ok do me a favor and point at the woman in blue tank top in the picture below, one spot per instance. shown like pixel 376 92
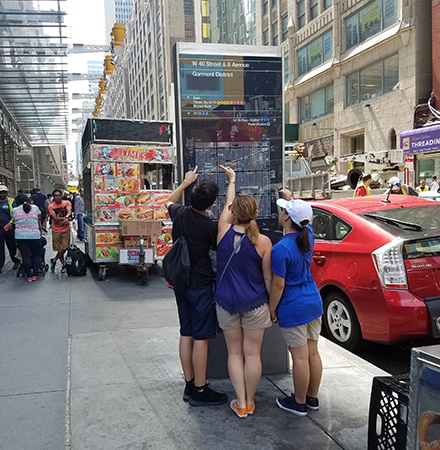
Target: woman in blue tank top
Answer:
pixel 243 281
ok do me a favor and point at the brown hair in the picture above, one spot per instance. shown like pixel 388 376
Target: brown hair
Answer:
pixel 244 207
pixel 366 178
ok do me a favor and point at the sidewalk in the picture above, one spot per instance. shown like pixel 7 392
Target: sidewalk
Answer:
pixel 88 364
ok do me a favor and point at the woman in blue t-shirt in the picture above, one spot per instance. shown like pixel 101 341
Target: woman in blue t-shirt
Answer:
pixel 296 304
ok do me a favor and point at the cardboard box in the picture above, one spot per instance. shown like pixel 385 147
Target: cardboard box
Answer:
pixel 131 256
pixel 141 227
pixel 133 242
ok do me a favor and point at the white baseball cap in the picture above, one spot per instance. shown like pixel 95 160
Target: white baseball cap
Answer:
pixel 3 188
pixel 298 210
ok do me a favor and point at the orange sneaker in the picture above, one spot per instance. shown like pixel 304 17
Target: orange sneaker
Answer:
pixel 241 412
pixel 250 409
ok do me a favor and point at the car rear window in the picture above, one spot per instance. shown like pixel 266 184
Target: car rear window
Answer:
pixel 421 248
pixel 426 217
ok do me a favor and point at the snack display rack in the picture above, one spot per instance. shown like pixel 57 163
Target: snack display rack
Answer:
pixel 127 181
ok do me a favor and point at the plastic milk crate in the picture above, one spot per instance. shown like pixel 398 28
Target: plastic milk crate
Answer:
pixel 388 419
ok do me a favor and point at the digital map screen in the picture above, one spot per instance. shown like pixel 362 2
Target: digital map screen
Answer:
pixel 231 113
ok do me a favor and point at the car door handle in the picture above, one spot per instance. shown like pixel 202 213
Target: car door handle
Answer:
pixel 319 260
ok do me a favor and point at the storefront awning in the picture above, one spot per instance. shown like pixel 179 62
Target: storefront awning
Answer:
pixel 421 140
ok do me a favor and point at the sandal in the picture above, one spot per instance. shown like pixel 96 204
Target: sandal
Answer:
pixel 241 412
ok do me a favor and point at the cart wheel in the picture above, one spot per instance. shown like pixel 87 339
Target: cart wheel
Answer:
pixel 102 272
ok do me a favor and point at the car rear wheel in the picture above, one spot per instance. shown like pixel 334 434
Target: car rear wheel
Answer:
pixel 340 321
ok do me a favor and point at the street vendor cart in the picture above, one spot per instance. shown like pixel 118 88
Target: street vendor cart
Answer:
pixel 128 174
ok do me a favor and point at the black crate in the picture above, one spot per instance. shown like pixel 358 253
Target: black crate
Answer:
pixel 388 419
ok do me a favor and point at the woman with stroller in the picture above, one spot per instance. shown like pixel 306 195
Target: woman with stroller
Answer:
pixel 26 218
pixel 296 304
pixel 243 282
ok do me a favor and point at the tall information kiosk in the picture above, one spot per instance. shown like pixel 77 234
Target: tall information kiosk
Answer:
pixel 229 109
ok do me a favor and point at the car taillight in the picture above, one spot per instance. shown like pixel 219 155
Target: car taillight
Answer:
pixel 390 265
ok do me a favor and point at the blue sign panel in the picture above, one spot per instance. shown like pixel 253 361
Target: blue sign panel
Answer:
pixel 421 140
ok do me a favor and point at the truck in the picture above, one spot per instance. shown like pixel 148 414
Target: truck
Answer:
pixel 305 184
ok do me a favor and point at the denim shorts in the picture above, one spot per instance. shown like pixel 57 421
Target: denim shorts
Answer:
pixel 197 312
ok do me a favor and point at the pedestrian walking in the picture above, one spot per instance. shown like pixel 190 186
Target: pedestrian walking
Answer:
pixel 296 304
pixel 26 219
pixel 79 213
pixel 363 189
pixel 39 199
pixel 60 212
pixel 195 305
pixel 434 184
pixel 7 236
pixel 243 281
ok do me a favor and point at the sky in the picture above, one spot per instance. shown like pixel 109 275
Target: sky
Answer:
pixel 86 25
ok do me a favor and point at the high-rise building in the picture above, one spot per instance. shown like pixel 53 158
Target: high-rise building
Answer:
pixel 354 69
pixel 232 21
pixel 117 11
pixel 141 86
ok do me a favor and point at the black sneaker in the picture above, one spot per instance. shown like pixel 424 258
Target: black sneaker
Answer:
pixel 52 265
pixel 289 404
pixel 205 396
pixel 189 386
pixel 16 266
pixel 312 403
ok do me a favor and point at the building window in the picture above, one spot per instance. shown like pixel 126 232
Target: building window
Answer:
pixel 266 37
pixel 393 139
pixel 286 70
pixel 316 53
pixel 301 6
pixel 265 6
pixel 284 27
pixel 159 42
pixel 275 33
pixel 327 3
pixel 369 21
pixel 273 3
pixel 373 80
pixel 161 84
pixel 314 11
pixel 188 7
pixel 160 63
pixel 317 104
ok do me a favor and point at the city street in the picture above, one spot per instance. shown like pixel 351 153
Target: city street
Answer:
pixel 88 364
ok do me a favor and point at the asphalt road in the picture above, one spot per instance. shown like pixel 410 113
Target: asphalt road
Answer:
pixel 394 358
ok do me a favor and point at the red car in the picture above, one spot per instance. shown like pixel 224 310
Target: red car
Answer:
pixel 377 266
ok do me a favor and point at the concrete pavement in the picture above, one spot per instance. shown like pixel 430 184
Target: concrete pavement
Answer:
pixel 88 364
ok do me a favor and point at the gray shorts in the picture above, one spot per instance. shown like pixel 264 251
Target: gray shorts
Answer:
pixel 257 319
pixel 298 336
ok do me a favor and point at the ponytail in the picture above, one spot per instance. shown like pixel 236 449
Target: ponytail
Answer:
pixel 245 209
pixel 252 232
pixel 23 199
pixel 303 240
pixel 26 207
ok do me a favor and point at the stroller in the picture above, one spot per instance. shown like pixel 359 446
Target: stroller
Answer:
pixel 43 266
